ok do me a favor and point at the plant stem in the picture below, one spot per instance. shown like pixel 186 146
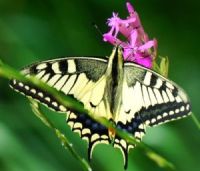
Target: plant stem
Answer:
pixel 196 121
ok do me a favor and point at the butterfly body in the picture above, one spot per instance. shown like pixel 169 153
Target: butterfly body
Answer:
pixel 130 96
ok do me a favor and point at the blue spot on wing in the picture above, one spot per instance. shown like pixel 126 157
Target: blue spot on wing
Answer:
pixel 93 126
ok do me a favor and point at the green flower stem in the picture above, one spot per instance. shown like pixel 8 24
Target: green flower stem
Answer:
pixel 74 105
pixel 64 141
pixel 196 121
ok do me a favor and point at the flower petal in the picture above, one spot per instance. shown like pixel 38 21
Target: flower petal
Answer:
pixel 112 40
pixel 130 8
pixel 109 38
pixel 134 36
pixel 146 62
pixel 137 47
pixel 128 54
pixel 147 45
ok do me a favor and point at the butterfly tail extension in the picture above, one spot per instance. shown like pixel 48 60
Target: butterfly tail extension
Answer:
pixel 123 146
pixel 88 129
pixel 135 127
pixel 92 144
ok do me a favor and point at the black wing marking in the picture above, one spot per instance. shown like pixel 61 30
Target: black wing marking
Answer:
pixel 158 100
pixel 148 99
pixel 89 130
pixel 134 127
pixel 69 75
pixel 83 78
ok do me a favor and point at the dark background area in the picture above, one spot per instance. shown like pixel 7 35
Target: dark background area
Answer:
pixel 39 30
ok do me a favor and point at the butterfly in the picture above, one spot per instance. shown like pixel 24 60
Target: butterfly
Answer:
pixel 127 94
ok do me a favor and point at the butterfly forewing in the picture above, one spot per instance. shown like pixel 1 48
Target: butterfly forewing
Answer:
pixel 154 98
pixel 72 76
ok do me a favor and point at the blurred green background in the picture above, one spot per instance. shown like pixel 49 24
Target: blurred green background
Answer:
pixel 46 29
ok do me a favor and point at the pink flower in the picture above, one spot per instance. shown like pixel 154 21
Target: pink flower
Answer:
pixel 137 47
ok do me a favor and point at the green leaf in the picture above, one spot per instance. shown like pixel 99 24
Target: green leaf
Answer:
pixel 160 161
pixel 36 110
pixel 163 66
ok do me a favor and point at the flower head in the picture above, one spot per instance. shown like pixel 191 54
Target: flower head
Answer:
pixel 137 47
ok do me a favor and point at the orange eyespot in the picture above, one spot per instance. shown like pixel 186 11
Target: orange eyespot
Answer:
pixel 111 133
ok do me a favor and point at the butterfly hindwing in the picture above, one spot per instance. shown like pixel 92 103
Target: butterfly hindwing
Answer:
pixel 89 130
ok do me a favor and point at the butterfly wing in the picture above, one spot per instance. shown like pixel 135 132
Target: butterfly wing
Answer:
pixel 161 100
pixel 148 99
pixel 81 77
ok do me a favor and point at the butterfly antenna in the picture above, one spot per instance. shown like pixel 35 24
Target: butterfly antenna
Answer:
pixel 97 28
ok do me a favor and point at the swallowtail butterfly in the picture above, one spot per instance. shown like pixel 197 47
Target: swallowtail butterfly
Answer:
pixel 131 96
